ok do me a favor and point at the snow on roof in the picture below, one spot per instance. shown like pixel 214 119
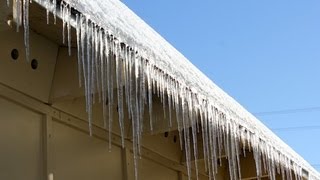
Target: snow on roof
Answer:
pixel 102 28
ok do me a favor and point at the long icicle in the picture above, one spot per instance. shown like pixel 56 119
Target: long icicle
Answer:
pixel 89 74
pixel 93 63
pixel 62 9
pixel 103 77
pixel 26 28
pixel 150 96
pixel 79 54
pixel 69 28
pixel 120 91
pixel 54 2
pixel 18 17
pixel 110 65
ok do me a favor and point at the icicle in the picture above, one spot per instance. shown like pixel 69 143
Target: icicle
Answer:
pixel 93 63
pixel 207 124
pixel 125 73
pixel 158 84
pixel 130 83
pixel 104 79
pixel 290 168
pixel 142 90
pixel 96 49
pixel 136 101
pixel 257 156
pixel 154 77
pixel 278 164
pixel 86 36
pixel 89 74
pixel 185 123
pixel 164 103
pixel 196 106
pixel 136 132
pixel 243 138
pixel 48 13
pixel 272 164
pixel 282 168
pixel 62 9
pixel 83 36
pixel 211 157
pixel 54 2
pixel 169 97
pixel 69 28
pixel 230 151
pixel 265 162
pixel 178 108
pixel 150 96
pixel 18 17
pixel 110 65
pixel 99 60
pixel 249 140
pixel 26 27
pixel 212 115
pixel 204 138
pixel 127 79
pixel 237 149
pixel 78 33
pixel 120 92
pixel 103 56
pixel 135 152
pixel 193 122
pixel 220 135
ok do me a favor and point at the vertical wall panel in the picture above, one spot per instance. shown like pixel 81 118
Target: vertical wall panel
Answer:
pixel 20 142
pixel 78 156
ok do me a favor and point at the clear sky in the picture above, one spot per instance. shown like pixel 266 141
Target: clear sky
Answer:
pixel 264 53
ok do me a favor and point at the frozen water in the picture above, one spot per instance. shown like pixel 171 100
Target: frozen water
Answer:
pixel 114 44
pixel 26 27
pixel 68 14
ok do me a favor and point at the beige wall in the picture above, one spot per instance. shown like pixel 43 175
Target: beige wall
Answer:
pixel 73 153
pixel 79 156
pixel 20 142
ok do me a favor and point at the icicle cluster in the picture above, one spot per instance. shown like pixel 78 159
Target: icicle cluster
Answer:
pixel 106 63
pixel 103 60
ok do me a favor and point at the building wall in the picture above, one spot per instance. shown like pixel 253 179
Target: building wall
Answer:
pixel 20 142
pixel 70 153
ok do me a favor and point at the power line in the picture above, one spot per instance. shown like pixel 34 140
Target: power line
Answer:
pixel 291 111
pixel 297 128
pixel 287 111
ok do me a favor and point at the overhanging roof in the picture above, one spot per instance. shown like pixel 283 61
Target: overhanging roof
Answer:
pixel 168 71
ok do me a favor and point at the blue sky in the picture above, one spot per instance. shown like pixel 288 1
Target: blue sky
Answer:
pixel 264 53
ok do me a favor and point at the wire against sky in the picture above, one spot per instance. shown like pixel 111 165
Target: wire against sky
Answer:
pixel 315 127
pixel 287 111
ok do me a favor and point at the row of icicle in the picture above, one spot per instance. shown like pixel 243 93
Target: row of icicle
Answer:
pixel 105 62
